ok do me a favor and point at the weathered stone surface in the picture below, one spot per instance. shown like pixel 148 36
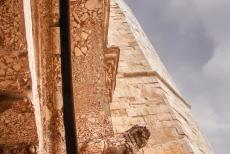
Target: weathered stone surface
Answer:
pixel 129 142
pixel 17 121
pixel 14 73
pixel 128 75
pixel 12 29
pixel 91 95
pixel 18 130
pixel 146 94
pixel 46 33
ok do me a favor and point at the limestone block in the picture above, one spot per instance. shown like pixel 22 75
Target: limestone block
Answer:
pixel 153 149
pixel 175 148
pixel 119 105
pixel 118 113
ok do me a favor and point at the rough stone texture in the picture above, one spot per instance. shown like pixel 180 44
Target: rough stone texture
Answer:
pixel 91 94
pixel 46 36
pixel 146 94
pixel 129 142
pixel 17 123
pixel 14 73
pixel 140 90
pixel 18 129
pixel 12 29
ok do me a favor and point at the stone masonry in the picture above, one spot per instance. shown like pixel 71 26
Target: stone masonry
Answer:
pixel 145 92
pixel 124 99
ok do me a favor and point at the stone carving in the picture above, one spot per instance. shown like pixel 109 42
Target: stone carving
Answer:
pixel 128 142
pixel 111 62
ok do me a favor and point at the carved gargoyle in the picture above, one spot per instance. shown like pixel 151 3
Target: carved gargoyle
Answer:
pixel 129 142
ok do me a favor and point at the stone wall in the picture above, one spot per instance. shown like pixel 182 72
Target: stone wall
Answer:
pixel 91 94
pixel 46 40
pixel 12 29
pixel 139 88
pixel 145 93
pixel 18 130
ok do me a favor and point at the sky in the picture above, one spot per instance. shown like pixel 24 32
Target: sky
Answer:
pixel 192 37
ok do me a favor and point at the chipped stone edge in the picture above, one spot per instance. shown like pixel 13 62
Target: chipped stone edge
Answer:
pixel 32 67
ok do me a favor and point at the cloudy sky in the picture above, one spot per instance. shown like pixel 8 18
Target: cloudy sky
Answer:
pixel 192 38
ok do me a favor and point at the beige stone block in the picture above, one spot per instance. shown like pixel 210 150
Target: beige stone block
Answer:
pixel 151 149
pixel 151 120
pixel 164 117
pixel 120 121
pixel 141 110
pixel 137 120
pixel 165 124
pixel 119 105
pixel 175 148
pixel 120 129
pixel 165 109
pixel 152 109
pixel 164 135
pixel 118 113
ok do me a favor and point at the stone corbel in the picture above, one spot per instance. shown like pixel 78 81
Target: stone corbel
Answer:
pixel 111 62
pixel 129 142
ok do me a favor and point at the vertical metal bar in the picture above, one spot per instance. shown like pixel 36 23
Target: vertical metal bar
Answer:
pixel 68 107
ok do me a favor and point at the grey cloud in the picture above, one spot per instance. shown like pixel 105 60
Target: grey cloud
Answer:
pixel 192 39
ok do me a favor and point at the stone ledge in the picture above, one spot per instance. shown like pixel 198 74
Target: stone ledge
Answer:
pixel 157 75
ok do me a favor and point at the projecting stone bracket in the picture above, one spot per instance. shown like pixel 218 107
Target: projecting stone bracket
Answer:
pixel 129 142
pixel 111 62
